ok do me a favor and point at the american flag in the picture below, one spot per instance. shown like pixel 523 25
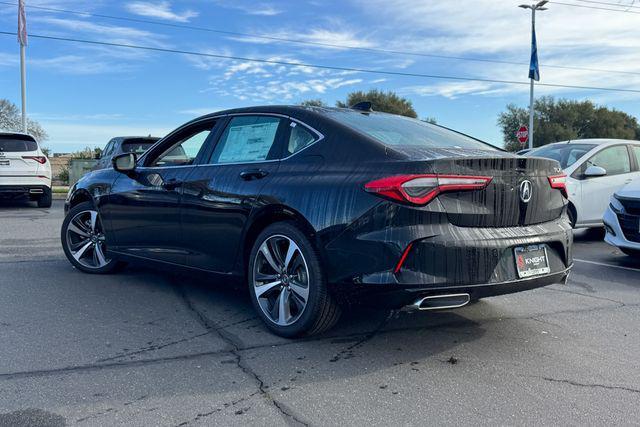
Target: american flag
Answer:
pixel 22 24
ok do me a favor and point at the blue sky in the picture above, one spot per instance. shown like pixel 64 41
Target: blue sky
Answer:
pixel 83 95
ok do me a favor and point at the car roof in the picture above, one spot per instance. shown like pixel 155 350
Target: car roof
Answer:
pixel 595 141
pixel 124 138
pixel 16 134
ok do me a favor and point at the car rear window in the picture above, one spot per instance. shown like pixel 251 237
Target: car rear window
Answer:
pixel 137 146
pixel 565 154
pixel 398 131
pixel 14 144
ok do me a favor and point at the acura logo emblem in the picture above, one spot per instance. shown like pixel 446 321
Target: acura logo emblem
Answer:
pixel 526 191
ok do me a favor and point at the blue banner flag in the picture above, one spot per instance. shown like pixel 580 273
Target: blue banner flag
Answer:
pixel 534 68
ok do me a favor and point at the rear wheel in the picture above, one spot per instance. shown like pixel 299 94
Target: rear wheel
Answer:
pixel 287 283
pixel 45 200
pixel 83 240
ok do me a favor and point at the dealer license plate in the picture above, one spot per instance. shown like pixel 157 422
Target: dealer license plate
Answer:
pixel 532 261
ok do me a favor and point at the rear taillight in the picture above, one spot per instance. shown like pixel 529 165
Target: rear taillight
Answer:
pixel 40 159
pixel 559 182
pixel 421 189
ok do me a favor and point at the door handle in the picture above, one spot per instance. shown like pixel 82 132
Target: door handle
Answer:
pixel 171 184
pixel 252 174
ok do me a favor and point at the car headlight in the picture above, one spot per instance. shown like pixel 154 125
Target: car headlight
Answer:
pixel 615 204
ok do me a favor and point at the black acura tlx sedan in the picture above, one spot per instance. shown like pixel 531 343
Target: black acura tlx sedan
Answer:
pixel 315 206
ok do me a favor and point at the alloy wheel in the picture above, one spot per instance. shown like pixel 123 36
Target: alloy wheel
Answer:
pixel 281 280
pixel 86 241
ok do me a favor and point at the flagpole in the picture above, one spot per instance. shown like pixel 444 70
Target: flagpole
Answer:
pixel 22 39
pixel 23 78
pixel 533 26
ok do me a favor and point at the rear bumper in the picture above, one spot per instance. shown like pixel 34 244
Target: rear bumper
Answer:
pixel 34 190
pixel 397 298
pixel 439 257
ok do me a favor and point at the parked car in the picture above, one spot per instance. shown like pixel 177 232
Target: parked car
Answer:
pixel 622 219
pixel 24 169
pixel 123 144
pixel 595 168
pixel 311 204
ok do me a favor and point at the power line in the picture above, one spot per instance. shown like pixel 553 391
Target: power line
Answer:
pixel 312 43
pixel 620 5
pixel 319 66
pixel 594 7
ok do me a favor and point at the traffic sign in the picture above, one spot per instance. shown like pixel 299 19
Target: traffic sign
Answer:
pixel 522 135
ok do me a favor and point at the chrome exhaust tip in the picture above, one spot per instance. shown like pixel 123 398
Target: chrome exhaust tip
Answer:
pixel 440 302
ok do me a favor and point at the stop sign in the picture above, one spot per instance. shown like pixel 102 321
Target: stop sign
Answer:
pixel 522 134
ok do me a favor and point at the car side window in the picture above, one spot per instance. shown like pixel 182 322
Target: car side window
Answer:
pixel 299 138
pixel 247 139
pixel 635 149
pixel 615 160
pixel 185 150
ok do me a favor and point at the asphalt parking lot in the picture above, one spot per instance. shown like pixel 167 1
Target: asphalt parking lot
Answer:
pixel 148 347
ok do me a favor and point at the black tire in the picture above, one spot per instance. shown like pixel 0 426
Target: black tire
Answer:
pixel 111 265
pixel 321 311
pixel 631 252
pixel 45 200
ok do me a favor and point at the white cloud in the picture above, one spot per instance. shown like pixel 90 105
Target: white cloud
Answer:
pixel 450 90
pixel 325 38
pixel 251 7
pixel 161 10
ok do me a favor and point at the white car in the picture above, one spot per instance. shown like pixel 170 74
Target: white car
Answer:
pixel 24 169
pixel 595 168
pixel 622 219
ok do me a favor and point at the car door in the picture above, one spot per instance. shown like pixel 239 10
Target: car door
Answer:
pixel 219 196
pixel 596 191
pixel 143 210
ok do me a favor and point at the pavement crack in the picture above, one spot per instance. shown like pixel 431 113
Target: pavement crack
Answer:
pixel 152 348
pixel 235 348
pixel 347 353
pixel 622 304
pixel 590 385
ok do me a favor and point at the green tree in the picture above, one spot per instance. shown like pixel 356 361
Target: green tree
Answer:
pixel 10 120
pixel 387 102
pixel 561 120
pixel 313 103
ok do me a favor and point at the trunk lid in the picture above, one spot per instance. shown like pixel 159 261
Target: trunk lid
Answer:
pixel 13 151
pixel 501 203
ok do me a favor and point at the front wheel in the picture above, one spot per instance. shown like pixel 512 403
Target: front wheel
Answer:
pixel 83 240
pixel 287 283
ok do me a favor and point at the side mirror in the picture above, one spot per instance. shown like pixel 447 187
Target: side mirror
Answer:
pixel 125 163
pixel 595 171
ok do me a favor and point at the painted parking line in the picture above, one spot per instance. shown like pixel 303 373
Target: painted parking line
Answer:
pixel 604 264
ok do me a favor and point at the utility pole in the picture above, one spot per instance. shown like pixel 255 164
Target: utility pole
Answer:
pixel 534 72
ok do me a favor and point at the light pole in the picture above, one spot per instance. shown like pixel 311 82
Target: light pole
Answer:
pixel 534 72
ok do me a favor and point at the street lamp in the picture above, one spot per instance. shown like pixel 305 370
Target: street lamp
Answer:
pixel 534 73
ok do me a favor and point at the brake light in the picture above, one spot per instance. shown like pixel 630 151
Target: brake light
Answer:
pixel 421 189
pixel 40 159
pixel 559 182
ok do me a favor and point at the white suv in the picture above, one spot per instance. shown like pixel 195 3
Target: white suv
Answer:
pixel 595 168
pixel 24 169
